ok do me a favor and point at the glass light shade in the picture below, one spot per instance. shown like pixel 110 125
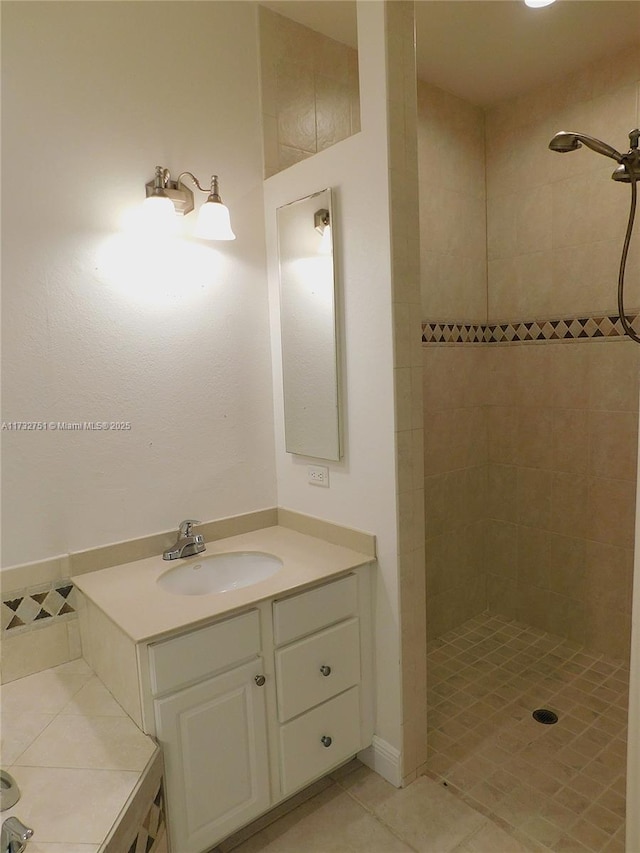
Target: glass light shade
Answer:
pixel 213 222
pixel 159 216
pixel 538 4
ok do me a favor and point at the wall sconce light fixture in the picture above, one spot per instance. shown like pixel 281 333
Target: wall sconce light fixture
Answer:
pixel 322 224
pixel 166 197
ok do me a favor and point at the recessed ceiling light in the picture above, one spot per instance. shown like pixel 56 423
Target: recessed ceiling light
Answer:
pixel 538 4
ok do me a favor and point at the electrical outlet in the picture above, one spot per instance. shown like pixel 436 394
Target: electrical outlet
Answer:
pixel 318 475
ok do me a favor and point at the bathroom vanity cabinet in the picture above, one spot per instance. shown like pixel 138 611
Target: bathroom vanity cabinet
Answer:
pixel 214 731
pixel 254 707
pixel 255 704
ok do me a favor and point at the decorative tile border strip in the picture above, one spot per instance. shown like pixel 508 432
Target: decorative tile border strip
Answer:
pixel 582 328
pixel 152 826
pixel 38 606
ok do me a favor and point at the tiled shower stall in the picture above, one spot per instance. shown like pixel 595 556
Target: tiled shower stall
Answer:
pixel 531 433
pixel 531 426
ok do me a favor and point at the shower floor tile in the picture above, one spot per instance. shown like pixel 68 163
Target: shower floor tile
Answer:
pixel 556 787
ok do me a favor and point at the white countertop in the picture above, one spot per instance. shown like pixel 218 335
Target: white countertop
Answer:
pixel 130 596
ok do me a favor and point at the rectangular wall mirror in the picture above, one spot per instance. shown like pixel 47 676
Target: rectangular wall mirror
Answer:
pixel 308 326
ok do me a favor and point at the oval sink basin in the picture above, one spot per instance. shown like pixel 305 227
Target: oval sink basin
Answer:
pixel 219 573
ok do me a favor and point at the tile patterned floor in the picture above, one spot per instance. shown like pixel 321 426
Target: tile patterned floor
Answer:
pixel 498 782
pixel 356 811
pixel 554 787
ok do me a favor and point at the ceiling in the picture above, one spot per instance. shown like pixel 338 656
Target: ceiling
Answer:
pixel 488 50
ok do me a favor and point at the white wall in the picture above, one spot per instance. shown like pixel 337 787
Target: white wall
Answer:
pixel 173 338
pixel 362 492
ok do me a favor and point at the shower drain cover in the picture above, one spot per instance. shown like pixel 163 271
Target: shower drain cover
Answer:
pixel 543 715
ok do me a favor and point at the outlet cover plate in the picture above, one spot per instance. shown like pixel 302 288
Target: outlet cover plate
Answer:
pixel 318 475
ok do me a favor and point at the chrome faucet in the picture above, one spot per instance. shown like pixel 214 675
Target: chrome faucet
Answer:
pixel 187 545
pixel 14 836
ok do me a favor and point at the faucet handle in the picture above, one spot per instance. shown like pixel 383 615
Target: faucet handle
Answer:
pixel 15 835
pixel 186 525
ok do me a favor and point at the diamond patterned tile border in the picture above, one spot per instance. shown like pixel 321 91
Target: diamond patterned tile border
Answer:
pixel 40 605
pixel 578 328
pixel 152 825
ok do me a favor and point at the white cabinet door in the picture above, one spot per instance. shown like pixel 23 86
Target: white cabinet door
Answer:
pixel 215 750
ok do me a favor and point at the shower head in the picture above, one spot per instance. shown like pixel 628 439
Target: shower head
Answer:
pixel 565 141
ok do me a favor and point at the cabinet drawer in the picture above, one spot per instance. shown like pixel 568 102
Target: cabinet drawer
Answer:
pixel 303 754
pixel 193 656
pixel 315 669
pixel 308 612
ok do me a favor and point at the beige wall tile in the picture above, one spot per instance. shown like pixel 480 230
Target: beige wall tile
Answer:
pixel 502 233
pixel 454 377
pixel 501 548
pixel 553 510
pixel 608 578
pixel 296 108
pixel 333 111
pixel 534 497
pixel 74 639
pixel 405 457
pixel 448 503
pixel 502 425
pixel 533 557
pixel 113 658
pixel 455 438
pixel 533 223
pixel 34 651
pixel 452 206
pixel 502 492
pixel 271 147
pixel 288 156
pixel 309 89
pixel 613 445
pixel 608 630
pixel 611 511
pixel 569 505
pixel 502 595
pixel 543 208
pixel 570 440
pixel 534 366
pixel 613 376
pixel 567 558
pixel 501 376
pixel 533 606
pixel 32 574
pixel 534 437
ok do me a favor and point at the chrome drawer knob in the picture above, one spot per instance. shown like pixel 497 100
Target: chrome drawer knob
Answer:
pixel 326 740
pixel 325 670
pixel 260 680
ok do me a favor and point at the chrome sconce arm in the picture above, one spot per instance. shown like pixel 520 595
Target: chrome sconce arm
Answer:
pixel 213 217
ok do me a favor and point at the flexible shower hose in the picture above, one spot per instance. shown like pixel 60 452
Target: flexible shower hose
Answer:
pixel 623 263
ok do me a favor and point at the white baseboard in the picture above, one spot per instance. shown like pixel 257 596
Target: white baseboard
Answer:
pixel 383 759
